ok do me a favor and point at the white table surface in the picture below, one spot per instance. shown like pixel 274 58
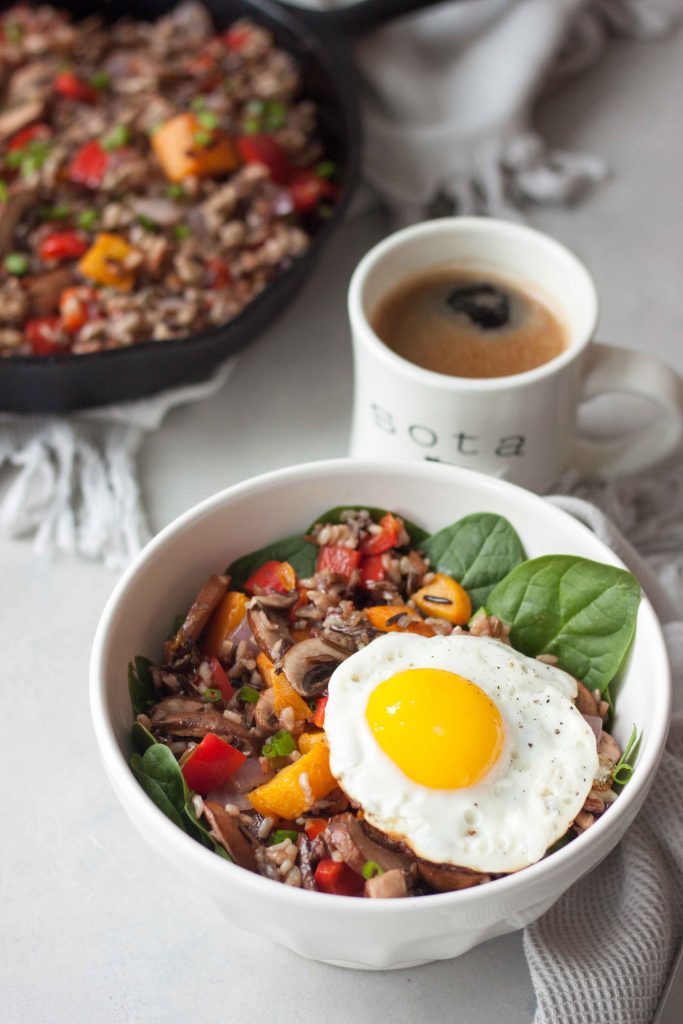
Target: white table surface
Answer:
pixel 94 926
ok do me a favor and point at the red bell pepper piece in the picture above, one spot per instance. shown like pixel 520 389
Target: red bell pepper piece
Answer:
pixel 211 764
pixel 318 717
pixel 45 336
pixel 219 679
pixel 371 570
pixel 78 305
pixel 271 576
pixel 307 190
pixel 263 149
pixel 62 245
pixel 314 826
pixel 88 165
pixel 235 38
pixel 68 84
pixel 334 558
pixel 33 133
pixel 220 272
pixel 376 543
pixel 337 878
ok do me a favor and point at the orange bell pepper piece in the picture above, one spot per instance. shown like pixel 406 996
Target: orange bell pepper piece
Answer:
pixel 308 740
pixel 445 598
pixel 224 621
pixel 381 615
pixel 104 262
pixel 185 149
pixel 285 696
pixel 296 788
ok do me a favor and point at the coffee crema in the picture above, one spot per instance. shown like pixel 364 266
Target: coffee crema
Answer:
pixel 468 323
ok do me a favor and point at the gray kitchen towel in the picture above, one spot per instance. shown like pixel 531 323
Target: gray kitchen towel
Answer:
pixel 602 953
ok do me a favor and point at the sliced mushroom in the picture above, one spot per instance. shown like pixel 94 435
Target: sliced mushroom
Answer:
pixel 309 664
pixel 279 602
pixel 345 834
pixel 608 748
pixel 449 878
pixel 186 717
pixel 264 716
pixel 204 605
pixel 390 885
pixel 271 634
pixel 229 832
pixel 586 702
pixel 44 290
pixel 17 117
pixel 306 862
pixel 32 80
pixel 11 212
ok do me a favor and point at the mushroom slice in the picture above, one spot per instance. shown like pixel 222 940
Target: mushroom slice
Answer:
pixel 309 664
pixel 448 877
pixel 390 885
pixel 271 635
pixel 13 119
pixel 11 212
pixel 230 833
pixel 279 602
pixel 264 715
pixel 204 605
pixel 345 835
pixel 185 717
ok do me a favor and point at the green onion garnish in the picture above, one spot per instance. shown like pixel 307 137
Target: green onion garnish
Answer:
pixel 198 103
pixel 212 695
pixel 87 219
pixel 59 212
pixel 118 136
pixel 207 119
pixel 251 126
pixel 203 138
pixel 16 263
pixel 4 190
pixel 181 231
pixel 280 834
pixel 279 745
pixel 14 33
pixel 624 769
pixel 325 169
pixel 176 191
pixel 275 114
pixel 249 694
pixel 29 158
pixel 146 222
pixel 371 868
pixel 100 80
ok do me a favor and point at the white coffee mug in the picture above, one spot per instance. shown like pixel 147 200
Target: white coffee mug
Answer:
pixel 524 426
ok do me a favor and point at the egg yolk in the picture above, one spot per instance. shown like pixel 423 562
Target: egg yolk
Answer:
pixel 440 729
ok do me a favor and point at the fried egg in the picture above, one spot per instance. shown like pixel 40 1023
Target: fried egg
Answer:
pixel 460 747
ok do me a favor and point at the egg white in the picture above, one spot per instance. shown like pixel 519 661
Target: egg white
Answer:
pixel 525 803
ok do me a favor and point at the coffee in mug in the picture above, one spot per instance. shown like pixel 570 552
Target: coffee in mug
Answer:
pixel 469 323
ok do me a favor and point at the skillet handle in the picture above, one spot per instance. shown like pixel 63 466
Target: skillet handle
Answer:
pixel 356 17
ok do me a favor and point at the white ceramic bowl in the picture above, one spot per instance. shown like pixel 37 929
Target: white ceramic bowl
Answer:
pixel 336 929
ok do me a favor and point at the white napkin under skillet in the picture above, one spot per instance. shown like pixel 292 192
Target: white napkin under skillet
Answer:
pixel 447 103
pixel 602 954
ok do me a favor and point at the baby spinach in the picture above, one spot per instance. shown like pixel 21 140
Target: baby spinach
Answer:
pixel 140 685
pixel 299 552
pixel 160 776
pixel 416 533
pixel 478 551
pixel 584 612
pixel 142 738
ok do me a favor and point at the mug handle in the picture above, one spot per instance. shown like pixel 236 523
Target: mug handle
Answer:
pixel 609 368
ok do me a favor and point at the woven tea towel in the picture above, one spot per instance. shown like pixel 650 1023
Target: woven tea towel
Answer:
pixel 602 953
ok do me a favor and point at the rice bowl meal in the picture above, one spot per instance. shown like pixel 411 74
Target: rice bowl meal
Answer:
pixel 154 176
pixel 367 710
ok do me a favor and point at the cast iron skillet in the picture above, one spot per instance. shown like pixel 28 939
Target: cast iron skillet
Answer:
pixel 317 40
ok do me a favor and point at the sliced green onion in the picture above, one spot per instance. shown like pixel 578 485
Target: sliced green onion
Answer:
pixel 371 868
pixel 275 114
pixel 198 103
pixel 146 222
pixel 59 212
pixel 4 190
pixel 16 263
pixel 207 119
pixel 325 169
pixel 176 191
pixel 119 136
pixel 14 33
pixel 251 126
pixel 87 219
pixel 280 744
pixel 249 694
pixel 181 231
pixel 624 769
pixel 280 834
pixel 100 80
pixel 203 138
pixel 212 695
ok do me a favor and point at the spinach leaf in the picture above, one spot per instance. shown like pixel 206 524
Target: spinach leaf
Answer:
pixel 478 551
pixel 195 828
pixel 298 551
pixel 142 738
pixel 160 776
pixel 140 685
pixel 416 533
pixel 584 612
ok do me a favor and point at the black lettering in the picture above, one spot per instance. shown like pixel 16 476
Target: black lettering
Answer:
pixel 423 436
pixel 512 444
pixel 383 419
pixel 462 438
